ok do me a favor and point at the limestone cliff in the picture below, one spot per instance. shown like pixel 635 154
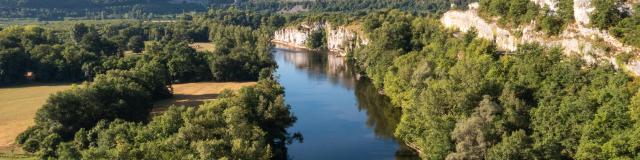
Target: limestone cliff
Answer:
pixel 592 44
pixel 340 39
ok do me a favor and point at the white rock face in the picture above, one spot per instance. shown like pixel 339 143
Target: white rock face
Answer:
pixel 465 20
pixel 582 10
pixel 576 39
pixel 296 36
pixel 340 39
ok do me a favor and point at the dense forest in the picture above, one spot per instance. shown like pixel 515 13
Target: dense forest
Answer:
pixel 81 51
pixel 93 9
pixel 461 97
pixel 464 99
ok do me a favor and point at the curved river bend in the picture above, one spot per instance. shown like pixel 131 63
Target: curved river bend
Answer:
pixel 339 115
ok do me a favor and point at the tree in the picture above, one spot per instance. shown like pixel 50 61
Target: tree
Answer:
pixel 136 44
pixel 517 145
pixel 12 65
pixel 317 39
pixel 606 13
pixel 476 134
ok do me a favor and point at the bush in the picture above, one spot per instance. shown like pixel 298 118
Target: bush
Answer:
pixel 606 13
pixel 317 39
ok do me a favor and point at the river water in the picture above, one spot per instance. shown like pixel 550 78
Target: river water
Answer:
pixel 340 116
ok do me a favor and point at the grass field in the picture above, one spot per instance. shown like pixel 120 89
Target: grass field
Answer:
pixel 193 94
pixel 18 106
pixel 203 47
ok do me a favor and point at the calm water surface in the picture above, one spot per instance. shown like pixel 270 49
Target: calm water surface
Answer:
pixel 339 115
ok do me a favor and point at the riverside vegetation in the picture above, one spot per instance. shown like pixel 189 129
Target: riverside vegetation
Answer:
pixel 464 99
pixel 461 97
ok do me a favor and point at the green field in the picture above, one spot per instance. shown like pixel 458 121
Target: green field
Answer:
pixel 18 105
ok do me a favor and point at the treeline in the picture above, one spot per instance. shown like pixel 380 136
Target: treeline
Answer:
pixel 81 51
pixel 145 9
pixel 107 117
pixel 48 10
pixel 431 6
pixel 463 99
pixel 75 54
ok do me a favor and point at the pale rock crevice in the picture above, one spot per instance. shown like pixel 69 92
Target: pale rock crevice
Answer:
pixel 582 10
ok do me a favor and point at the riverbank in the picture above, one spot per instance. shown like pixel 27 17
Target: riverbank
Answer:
pixel 293 47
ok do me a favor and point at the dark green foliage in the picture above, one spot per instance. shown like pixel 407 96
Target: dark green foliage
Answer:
pixel 512 11
pixel 118 94
pixel 628 29
pixel 546 105
pixel 78 31
pixel 514 146
pixel 614 16
pixel 182 62
pixel 143 9
pixel 317 39
pixel 552 24
pixel 92 9
pixel 476 134
pixel 432 6
pixel 565 10
pixel 107 117
pixel 606 13
pixel 249 124
pixel 136 44
pixel 519 12
pixel 50 58
pixel 240 64
pixel 240 52
pixel 82 51
pixel 11 65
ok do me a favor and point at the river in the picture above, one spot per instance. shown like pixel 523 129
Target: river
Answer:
pixel 340 116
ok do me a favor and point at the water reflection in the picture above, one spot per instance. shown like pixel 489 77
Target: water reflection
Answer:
pixel 320 65
pixel 340 116
pixel 382 116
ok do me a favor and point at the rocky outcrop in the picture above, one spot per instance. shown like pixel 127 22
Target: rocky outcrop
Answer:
pixel 296 36
pixel 465 20
pixel 593 45
pixel 340 39
pixel 582 10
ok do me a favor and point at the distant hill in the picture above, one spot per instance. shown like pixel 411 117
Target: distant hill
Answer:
pixel 140 9
pixel 94 9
